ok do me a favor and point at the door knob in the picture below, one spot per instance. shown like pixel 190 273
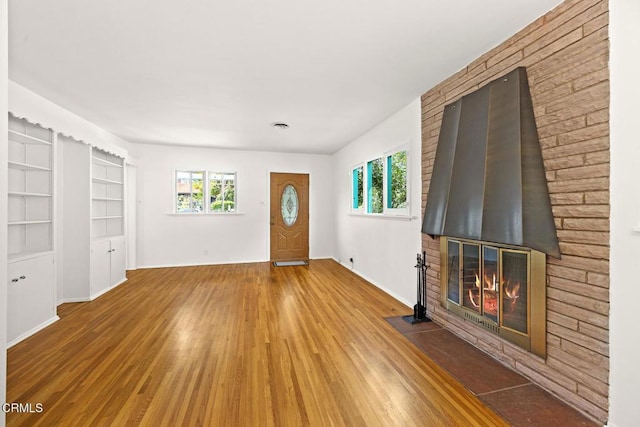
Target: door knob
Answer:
pixel 273 220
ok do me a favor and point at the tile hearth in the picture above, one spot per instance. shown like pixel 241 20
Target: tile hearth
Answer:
pixel 514 397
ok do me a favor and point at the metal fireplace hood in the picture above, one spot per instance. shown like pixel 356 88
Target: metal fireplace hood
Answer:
pixel 488 181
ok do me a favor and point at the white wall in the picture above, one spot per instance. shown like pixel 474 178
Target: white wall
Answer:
pixel 172 240
pixel 4 35
pixel 131 217
pixel 383 250
pixel 625 213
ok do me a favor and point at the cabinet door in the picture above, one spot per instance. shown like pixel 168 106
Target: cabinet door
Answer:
pixel 100 266
pixel 31 299
pixel 14 302
pixel 118 260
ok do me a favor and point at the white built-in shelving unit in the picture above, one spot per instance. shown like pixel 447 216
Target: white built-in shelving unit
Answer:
pixel 66 224
pixel 30 183
pixel 31 292
pixel 94 250
pixel 107 194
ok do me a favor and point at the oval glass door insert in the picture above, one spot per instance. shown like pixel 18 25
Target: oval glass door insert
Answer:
pixel 289 205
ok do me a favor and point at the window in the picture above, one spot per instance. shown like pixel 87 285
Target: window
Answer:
pixel 189 191
pixel 384 182
pixel 375 187
pixel 396 179
pixel 357 176
pixel 191 186
pixel 222 192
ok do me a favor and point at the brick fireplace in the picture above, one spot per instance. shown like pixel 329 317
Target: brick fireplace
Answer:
pixel 566 57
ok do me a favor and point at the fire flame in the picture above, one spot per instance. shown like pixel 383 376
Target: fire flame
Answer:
pixel 490 284
pixel 511 290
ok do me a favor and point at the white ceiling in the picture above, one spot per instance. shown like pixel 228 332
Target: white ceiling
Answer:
pixel 218 73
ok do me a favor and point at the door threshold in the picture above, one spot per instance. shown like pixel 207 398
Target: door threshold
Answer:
pixel 289 263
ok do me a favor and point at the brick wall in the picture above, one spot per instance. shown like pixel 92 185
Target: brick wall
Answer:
pixel 566 55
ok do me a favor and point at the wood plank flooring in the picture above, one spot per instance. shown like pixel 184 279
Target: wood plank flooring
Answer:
pixel 235 345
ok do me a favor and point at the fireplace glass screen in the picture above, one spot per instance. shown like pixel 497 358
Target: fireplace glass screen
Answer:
pixel 514 290
pixel 499 288
pixel 491 282
pixel 470 270
pixel 453 269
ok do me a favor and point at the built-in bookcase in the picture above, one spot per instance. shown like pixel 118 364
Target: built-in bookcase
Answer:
pixel 94 252
pixel 31 289
pixel 30 186
pixel 107 195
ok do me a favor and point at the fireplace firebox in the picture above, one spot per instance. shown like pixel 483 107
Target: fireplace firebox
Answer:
pixel 501 288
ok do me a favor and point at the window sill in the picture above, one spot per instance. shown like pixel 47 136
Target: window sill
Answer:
pixel 384 216
pixel 205 213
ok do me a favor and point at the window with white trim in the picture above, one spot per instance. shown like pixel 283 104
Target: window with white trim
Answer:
pixel 192 186
pixel 381 186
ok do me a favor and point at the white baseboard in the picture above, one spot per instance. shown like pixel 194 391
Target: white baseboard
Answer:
pixel 32 331
pixel 377 285
pixel 142 267
pixel 104 291
pixel 79 299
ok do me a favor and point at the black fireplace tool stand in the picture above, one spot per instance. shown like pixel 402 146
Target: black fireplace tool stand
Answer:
pixel 420 309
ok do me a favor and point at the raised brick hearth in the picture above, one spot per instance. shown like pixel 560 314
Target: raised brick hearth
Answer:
pixel 566 55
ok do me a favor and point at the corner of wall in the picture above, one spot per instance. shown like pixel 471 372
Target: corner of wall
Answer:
pixel 4 40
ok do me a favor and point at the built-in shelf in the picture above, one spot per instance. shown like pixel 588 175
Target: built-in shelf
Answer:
pixel 30 188
pixel 106 181
pixel 23 194
pixel 29 222
pixel 26 139
pixel 31 194
pixel 107 199
pixel 105 162
pixel 27 167
pixel 107 194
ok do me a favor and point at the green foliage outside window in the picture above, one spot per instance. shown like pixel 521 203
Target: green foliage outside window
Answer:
pixel 386 184
pixel 375 171
pixel 358 187
pixel 397 180
pixel 190 194
pixel 191 188
pixel 221 192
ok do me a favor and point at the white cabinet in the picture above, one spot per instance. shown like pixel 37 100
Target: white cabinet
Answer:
pixel 107 264
pixel 31 296
pixel 94 250
pixel 31 289
pixel 118 266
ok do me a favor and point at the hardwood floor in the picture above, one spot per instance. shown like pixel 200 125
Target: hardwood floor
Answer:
pixel 235 345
